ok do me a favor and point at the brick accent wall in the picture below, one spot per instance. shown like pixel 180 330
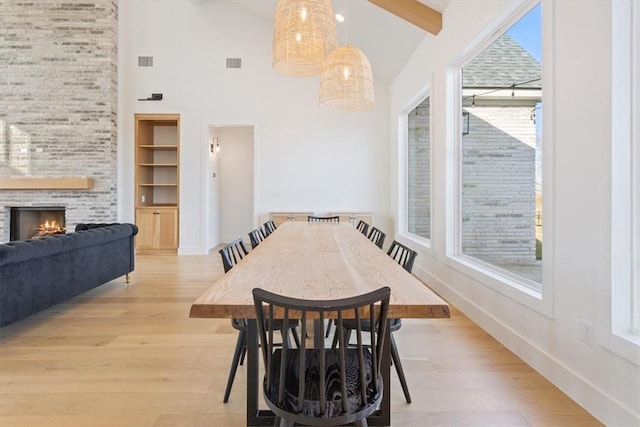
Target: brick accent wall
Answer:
pixel 59 104
pixel 419 177
pixel 498 184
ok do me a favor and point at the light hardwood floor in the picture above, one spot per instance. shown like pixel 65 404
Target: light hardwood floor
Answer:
pixel 129 355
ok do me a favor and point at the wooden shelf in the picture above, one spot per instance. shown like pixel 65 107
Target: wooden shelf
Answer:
pixel 159 147
pixel 46 183
pixel 159 165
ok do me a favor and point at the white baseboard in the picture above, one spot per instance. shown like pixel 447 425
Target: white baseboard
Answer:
pixel 589 396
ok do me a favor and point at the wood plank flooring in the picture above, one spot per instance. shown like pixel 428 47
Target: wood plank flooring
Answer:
pixel 129 355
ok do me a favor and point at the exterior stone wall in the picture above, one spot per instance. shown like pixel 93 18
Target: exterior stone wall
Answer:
pixel 418 166
pixel 59 104
pixel 498 184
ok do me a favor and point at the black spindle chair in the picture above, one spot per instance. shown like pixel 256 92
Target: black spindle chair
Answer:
pixel 256 237
pixel 269 227
pixel 363 227
pixel 318 386
pixel 405 257
pixel 232 254
pixel 312 218
pixel 377 237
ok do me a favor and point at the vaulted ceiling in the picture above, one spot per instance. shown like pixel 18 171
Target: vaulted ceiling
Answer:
pixel 387 39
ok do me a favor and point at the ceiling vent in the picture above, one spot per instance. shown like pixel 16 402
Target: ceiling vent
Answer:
pixel 145 61
pixel 234 62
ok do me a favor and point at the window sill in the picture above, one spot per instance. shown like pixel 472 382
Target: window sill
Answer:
pixel 518 288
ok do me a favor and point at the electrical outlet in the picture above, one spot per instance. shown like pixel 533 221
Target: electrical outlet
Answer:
pixel 143 198
pixel 586 332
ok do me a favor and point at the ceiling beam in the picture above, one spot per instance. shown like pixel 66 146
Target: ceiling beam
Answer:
pixel 415 12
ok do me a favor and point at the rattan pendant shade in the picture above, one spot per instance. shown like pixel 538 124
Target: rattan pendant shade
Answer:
pixel 304 35
pixel 347 81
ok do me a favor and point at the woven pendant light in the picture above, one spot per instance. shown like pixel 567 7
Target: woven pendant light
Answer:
pixel 347 81
pixel 304 35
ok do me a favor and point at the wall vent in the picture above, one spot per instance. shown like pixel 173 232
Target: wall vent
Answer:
pixel 145 61
pixel 234 62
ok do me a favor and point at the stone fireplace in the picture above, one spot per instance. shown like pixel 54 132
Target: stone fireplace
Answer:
pixel 59 121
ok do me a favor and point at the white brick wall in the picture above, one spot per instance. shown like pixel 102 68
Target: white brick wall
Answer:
pixel 498 184
pixel 59 104
pixel 419 179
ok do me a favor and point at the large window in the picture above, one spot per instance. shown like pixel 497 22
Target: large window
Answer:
pixel 418 151
pixel 623 312
pixel 500 154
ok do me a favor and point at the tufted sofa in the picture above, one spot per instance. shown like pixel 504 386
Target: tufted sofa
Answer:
pixel 39 273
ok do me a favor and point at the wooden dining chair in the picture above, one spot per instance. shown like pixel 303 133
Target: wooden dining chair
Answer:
pixel 404 256
pixel 362 227
pixel 269 227
pixel 312 218
pixel 256 237
pixel 377 237
pixel 232 254
pixel 318 386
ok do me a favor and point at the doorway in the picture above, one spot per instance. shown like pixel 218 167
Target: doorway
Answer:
pixel 232 166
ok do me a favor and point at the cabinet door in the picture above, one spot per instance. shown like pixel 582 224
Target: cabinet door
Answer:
pixel 146 222
pixel 300 216
pixel 344 217
pixel 167 228
pixel 279 217
pixel 366 217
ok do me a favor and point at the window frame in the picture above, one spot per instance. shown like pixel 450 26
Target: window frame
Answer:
pixel 403 166
pixel 516 287
pixel 619 316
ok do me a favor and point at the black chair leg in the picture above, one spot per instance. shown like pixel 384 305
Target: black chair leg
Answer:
pixel 243 355
pixel 395 356
pixel 241 344
pixel 296 338
pixel 361 423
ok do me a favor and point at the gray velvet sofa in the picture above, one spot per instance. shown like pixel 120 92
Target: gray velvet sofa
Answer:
pixel 39 273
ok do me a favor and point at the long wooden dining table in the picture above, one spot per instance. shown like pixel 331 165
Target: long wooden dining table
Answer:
pixel 314 261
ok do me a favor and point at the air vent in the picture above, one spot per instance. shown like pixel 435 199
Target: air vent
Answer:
pixel 145 61
pixel 234 62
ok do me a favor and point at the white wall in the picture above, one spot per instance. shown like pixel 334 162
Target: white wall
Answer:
pixel 309 159
pixel 577 142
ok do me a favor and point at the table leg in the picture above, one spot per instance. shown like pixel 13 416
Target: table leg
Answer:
pixel 252 372
pixel 385 407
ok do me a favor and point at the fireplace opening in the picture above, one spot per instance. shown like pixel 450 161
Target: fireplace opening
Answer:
pixel 34 222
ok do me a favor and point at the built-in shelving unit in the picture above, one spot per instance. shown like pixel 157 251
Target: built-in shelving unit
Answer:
pixel 157 187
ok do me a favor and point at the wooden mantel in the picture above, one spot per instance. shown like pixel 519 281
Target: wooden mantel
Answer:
pixel 46 183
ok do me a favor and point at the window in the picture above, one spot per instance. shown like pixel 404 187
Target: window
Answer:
pixel 622 315
pixel 418 153
pixel 500 155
